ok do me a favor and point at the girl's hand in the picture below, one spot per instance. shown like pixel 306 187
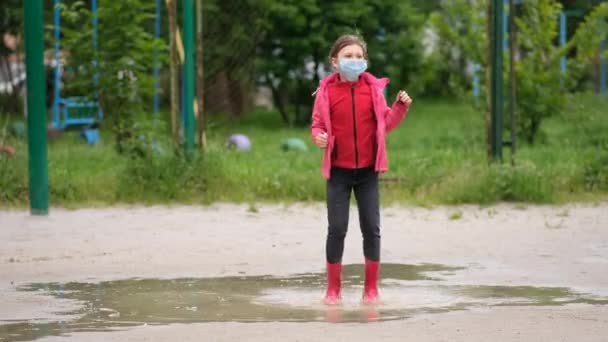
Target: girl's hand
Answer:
pixel 404 98
pixel 321 140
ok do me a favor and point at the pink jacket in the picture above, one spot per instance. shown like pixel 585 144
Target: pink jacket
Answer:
pixel 387 119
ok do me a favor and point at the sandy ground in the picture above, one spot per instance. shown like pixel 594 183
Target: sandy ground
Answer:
pixel 506 244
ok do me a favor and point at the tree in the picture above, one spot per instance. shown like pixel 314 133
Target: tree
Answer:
pixel 118 71
pixel 231 31
pixel 541 85
pixel 461 27
pixel 292 55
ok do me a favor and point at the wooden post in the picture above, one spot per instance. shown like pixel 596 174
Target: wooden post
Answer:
pixel 174 68
pixel 200 79
pixel 487 116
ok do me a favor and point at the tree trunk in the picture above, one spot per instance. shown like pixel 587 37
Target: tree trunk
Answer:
pixel 488 120
pixel 235 93
pixel 276 97
pixel 298 114
pixel 13 98
pixel 534 128
pixel 316 60
pixel 200 80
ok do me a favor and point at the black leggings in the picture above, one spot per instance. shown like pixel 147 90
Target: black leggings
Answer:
pixel 341 183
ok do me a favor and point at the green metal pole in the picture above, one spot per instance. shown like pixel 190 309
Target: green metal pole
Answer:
pixel 36 111
pixel 188 30
pixel 496 101
pixel 512 79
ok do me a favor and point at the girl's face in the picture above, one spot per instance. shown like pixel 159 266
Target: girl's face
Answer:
pixel 349 51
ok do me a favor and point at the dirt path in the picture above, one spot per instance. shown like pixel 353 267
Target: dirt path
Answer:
pixel 499 247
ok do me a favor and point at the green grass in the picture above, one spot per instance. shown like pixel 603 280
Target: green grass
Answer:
pixel 437 156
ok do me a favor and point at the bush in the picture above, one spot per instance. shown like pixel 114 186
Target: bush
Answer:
pixel 596 170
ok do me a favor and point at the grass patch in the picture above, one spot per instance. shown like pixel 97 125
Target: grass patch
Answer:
pixel 437 156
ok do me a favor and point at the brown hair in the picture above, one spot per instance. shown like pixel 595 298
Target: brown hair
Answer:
pixel 346 40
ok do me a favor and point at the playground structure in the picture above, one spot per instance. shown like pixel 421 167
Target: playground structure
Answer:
pixel 75 112
pixel 501 29
pixel 563 38
pixel 79 112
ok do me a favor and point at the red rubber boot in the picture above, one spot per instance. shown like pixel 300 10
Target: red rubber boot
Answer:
pixel 334 280
pixel 370 291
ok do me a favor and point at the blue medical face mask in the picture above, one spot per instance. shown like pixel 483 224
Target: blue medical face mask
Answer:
pixel 351 68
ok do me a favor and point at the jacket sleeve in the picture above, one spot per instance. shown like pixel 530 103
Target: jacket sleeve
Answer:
pixel 317 125
pixel 395 114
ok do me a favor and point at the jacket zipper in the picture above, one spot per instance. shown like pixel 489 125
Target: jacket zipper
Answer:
pixel 352 93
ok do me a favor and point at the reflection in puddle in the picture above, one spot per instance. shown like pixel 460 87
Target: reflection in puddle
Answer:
pixel 407 290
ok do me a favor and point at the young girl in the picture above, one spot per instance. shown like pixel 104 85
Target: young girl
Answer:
pixel 350 119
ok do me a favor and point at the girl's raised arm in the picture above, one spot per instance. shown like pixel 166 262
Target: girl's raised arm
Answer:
pixel 395 114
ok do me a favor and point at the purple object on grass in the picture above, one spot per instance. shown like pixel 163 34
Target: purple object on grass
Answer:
pixel 239 141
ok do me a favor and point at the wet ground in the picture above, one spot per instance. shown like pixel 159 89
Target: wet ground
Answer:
pixel 407 291
pixel 231 274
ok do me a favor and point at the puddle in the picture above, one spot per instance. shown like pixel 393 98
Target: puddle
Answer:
pixel 407 290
